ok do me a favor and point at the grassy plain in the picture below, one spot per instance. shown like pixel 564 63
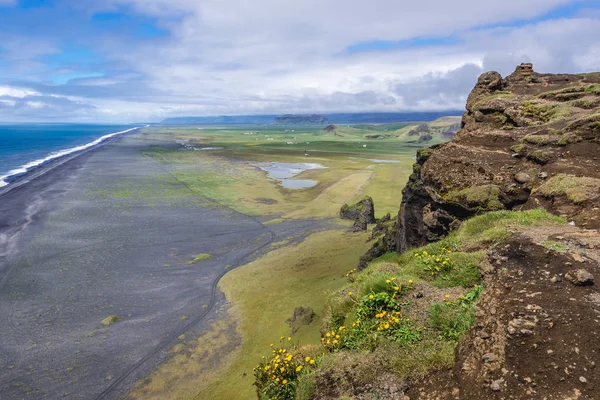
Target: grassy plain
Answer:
pixel 264 293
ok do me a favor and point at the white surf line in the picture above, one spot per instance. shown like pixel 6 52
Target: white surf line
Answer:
pixel 63 155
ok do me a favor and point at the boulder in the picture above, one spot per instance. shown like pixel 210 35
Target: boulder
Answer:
pixel 363 210
pixel 580 277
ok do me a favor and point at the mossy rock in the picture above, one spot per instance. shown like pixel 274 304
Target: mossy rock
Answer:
pixel 541 157
pixel 576 189
pixel 484 197
pixel 539 140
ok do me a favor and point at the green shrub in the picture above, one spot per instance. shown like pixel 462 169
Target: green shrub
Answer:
pixel 454 318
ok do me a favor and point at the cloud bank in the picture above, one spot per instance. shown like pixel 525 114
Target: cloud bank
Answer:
pixel 144 60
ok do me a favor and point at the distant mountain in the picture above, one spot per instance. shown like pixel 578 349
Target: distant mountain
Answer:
pixel 221 120
pixel 336 118
pixel 292 119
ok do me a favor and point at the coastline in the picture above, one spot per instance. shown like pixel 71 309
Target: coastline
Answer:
pixel 33 169
pixel 74 250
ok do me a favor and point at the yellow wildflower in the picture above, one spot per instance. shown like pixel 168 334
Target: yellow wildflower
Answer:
pixel 299 368
pixel 289 339
pixel 267 367
pixel 388 281
pixel 335 341
pixel 447 296
pixel 410 281
pixel 349 293
pixel 307 359
pixel 328 334
pixel 312 362
pixel 284 382
pixel 371 296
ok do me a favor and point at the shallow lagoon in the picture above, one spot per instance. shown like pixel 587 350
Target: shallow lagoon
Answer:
pixel 284 172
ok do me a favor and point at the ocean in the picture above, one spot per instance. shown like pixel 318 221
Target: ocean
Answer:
pixel 24 147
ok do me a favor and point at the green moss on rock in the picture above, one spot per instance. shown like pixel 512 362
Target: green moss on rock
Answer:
pixel 576 189
pixel 485 197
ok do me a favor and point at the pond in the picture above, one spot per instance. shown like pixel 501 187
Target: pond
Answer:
pixel 284 172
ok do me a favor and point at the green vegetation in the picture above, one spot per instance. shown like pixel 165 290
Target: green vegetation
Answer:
pixel 199 257
pixel 110 320
pixel 485 197
pixel 454 318
pixel 554 245
pixel 373 327
pixel 594 88
pixel 538 140
pixel 540 156
pixel 546 112
pixel 576 189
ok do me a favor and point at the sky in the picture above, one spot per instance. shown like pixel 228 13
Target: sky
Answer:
pixel 146 60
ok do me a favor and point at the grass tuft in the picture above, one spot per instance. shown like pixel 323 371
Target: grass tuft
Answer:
pixel 198 258
pixel 110 320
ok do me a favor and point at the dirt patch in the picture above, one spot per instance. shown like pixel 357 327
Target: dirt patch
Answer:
pixel 536 335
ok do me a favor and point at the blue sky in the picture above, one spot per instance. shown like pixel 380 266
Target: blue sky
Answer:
pixel 132 60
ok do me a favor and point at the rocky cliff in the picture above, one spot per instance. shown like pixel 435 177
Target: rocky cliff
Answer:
pixel 527 140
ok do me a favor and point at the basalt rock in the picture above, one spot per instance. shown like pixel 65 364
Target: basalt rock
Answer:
pixel 528 140
pixel 362 213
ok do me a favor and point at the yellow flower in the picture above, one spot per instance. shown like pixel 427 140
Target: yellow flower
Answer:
pixel 312 362
pixel 276 379
pixel 371 296
pixel 349 293
pixel 307 359
pixel 396 288
pixel 299 368
pixel 425 253
pixel 281 338
pixel 267 367
pixel 437 260
pixel 394 279
pixel 289 339
pixel 388 281
pixel 341 328
pixel 335 341
pixel 337 336
pixel 447 296
pixel 328 334
pixel 410 281
pixel 284 382
pixel 282 369
pixel 271 345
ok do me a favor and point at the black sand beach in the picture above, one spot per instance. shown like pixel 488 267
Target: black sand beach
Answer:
pixel 110 232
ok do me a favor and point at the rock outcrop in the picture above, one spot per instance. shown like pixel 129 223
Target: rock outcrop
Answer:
pixel 362 213
pixel 527 140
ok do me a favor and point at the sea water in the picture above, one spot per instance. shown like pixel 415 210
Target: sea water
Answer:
pixel 24 147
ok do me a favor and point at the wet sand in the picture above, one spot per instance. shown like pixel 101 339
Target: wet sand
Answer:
pixel 110 232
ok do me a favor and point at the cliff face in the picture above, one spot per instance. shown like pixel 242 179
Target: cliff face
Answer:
pixel 527 140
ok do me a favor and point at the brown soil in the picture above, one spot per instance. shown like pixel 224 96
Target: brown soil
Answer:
pixel 536 335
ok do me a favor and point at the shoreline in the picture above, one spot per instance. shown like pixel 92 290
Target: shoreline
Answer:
pixel 36 168
pixel 75 255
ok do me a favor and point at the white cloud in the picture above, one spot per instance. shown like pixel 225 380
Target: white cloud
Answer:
pixel 229 57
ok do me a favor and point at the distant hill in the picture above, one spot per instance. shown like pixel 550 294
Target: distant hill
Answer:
pixel 293 119
pixel 336 118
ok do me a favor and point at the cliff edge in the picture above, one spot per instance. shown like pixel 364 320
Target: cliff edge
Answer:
pixel 527 140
